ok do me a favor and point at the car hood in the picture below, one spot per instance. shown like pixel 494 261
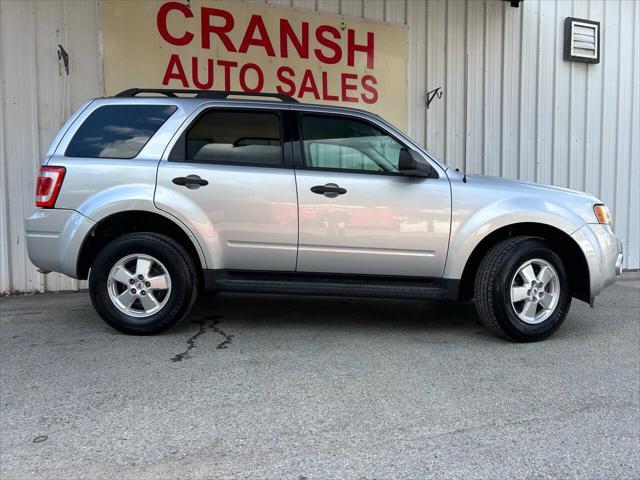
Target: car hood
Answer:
pixel 484 191
pixel 520 186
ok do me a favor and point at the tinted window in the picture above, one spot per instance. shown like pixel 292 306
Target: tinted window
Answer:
pixel 118 131
pixel 235 137
pixel 348 144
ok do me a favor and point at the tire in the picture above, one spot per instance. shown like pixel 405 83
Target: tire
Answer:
pixel 170 266
pixel 500 281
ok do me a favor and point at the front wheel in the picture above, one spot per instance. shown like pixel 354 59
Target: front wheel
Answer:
pixel 522 292
pixel 143 283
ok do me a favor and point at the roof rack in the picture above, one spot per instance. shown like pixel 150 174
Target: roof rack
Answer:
pixel 214 94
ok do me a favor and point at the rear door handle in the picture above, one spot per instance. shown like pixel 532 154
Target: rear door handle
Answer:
pixel 190 181
pixel 329 190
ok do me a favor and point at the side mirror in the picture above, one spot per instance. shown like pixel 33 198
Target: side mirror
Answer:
pixel 411 165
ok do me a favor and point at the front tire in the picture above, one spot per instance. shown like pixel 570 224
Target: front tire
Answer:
pixel 522 291
pixel 143 283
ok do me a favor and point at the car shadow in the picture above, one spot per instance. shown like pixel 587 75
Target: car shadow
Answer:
pixel 341 313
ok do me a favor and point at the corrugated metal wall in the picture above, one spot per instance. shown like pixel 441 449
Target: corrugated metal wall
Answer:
pixel 511 105
pixel 36 99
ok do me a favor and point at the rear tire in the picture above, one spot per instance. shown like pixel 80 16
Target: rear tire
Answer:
pixel 143 283
pixel 522 291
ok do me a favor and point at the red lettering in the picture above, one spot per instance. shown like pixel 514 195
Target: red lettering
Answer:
pixel 353 47
pixel 194 72
pixel 330 44
pixel 346 87
pixel 169 74
pixel 308 85
pixel 368 83
pixel 287 33
pixel 161 21
pixel 243 78
pixel 220 31
pixel 287 81
pixel 263 40
pixel 227 65
pixel 325 89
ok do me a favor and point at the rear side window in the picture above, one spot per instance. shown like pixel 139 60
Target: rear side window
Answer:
pixel 118 131
pixel 235 137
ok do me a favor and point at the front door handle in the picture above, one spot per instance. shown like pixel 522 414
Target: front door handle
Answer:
pixel 190 181
pixel 330 190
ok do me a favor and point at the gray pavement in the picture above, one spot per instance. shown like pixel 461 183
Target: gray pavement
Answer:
pixel 302 387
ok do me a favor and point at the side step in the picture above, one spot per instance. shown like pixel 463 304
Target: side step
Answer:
pixel 296 283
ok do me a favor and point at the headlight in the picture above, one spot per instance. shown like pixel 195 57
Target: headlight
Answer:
pixel 602 214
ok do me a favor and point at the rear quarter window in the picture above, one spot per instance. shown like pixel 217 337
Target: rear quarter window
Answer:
pixel 118 131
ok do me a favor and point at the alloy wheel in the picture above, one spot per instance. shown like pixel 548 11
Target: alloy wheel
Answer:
pixel 535 291
pixel 139 285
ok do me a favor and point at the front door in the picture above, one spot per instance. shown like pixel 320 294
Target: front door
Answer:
pixel 358 214
pixel 243 206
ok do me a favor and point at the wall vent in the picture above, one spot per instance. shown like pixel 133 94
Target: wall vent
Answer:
pixel 581 40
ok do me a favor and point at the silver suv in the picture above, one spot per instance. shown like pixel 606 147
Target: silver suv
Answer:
pixel 155 195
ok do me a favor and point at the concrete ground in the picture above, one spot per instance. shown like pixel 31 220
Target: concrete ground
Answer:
pixel 317 388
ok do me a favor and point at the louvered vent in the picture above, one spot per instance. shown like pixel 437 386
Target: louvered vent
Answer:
pixel 581 40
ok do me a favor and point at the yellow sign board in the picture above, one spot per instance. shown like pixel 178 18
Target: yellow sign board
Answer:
pixel 229 45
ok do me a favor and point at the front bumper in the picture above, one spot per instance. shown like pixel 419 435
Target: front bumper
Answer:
pixel 603 252
pixel 619 260
pixel 54 238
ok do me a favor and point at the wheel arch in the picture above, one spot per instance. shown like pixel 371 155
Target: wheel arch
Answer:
pixel 575 262
pixel 117 224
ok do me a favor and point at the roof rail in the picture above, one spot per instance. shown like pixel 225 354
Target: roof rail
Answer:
pixel 214 94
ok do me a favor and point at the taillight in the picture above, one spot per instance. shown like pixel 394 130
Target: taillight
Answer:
pixel 48 186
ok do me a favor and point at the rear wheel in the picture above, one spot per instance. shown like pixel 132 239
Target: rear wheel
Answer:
pixel 522 291
pixel 143 283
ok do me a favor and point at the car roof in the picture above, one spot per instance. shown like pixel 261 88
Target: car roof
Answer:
pixel 194 98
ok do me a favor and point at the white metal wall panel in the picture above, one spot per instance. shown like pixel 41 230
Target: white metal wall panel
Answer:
pixel 610 99
pixel 5 222
pixel 17 36
pixel 416 69
pixel 632 245
pixel 373 10
pixel 52 99
pixel 329 6
pixel 545 100
pixel 435 75
pixel 36 97
pixel 511 58
pixel 561 119
pixel 594 121
pixel 352 9
pixel 395 12
pixel 304 4
pixel 511 105
pixel 577 138
pixel 492 131
pixel 474 126
pixel 454 97
pixel 622 189
pixel 528 91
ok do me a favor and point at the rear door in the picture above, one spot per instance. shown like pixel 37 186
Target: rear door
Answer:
pixel 228 178
pixel 358 213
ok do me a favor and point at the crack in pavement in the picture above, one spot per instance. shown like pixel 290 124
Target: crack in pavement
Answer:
pixel 213 321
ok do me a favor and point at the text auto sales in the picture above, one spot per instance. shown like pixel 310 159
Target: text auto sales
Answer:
pixel 321 44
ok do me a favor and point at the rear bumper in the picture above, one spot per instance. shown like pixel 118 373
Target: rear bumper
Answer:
pixel 603 252
pixel 55 237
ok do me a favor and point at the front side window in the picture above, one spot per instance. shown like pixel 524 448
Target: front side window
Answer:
pixel 342 143
pixel 118 131
pixel 235 137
